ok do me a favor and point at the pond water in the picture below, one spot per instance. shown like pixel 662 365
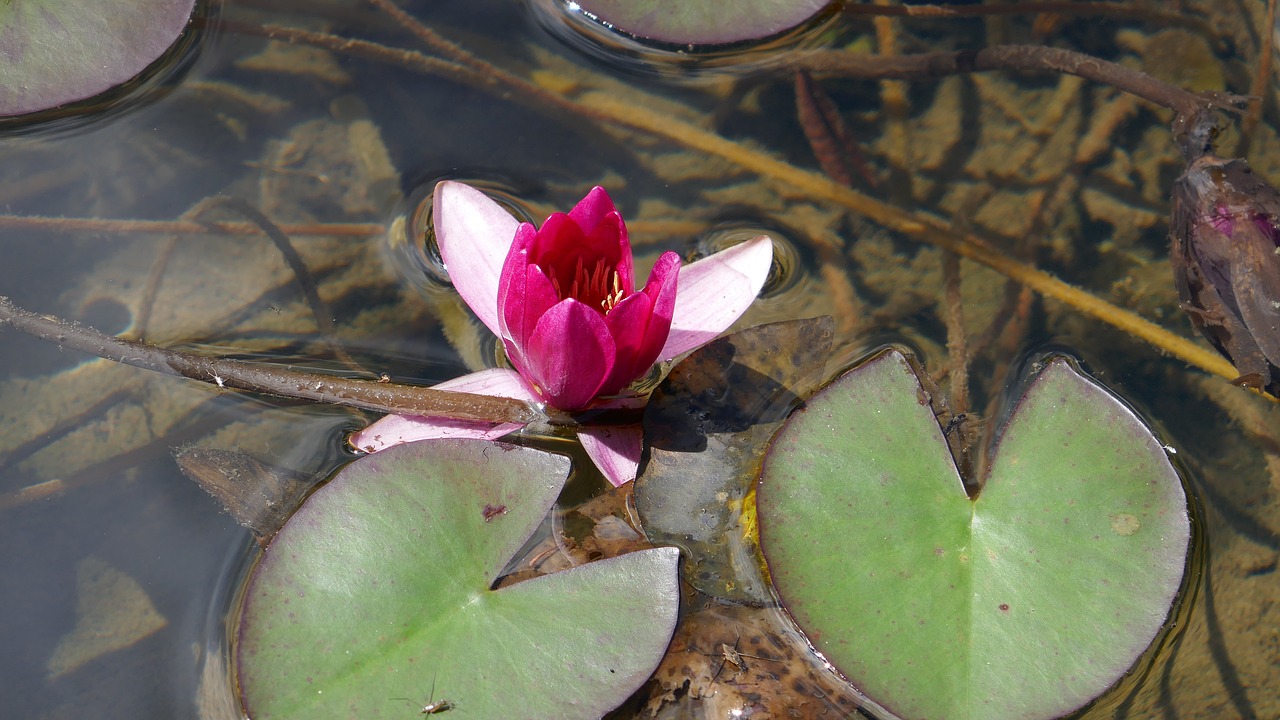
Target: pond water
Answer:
pixel 117 569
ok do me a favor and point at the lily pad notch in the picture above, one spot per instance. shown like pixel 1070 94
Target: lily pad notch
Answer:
pixel 1029 601
pixel 378 589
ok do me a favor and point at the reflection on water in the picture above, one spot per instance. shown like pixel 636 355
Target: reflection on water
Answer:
pixel 336 148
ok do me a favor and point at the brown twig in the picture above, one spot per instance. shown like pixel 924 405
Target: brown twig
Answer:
pixel 1017 57
pixel 364 394
pixel 957 341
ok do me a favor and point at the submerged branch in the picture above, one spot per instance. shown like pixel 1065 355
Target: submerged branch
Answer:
pixel 1016 57
pixel 1156 15
pixel 364 394
pixel 162 227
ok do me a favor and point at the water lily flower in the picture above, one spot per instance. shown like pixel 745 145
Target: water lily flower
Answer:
pixel 562 299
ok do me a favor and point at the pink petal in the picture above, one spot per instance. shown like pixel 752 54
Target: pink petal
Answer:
pixel 393 430
pixel 474 234
pixel 396 429
pixel 526 294
pixel 570 354
pixel 714 292
pixel 497 382
pixel 641 322
pixel 614 449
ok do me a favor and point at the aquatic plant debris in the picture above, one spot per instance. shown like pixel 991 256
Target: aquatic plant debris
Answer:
pixel 59 51
pixel 1224 236
pixel 938 605
pixel 562 300
pixel 398 545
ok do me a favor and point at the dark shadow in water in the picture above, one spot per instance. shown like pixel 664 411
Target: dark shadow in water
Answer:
pixel 1241 521
pixel 1236 690
pixel 962 150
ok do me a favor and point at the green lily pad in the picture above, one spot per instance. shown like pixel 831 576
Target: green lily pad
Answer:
pixel 702 22
pixel 53 52
pixel 378 590
pixel 1027 602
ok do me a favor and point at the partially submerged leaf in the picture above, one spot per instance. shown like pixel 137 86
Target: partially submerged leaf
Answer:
pixel 260 497
pixel 378 588
pixel 112 613
pixel 707 426
pixel 1027 602
pixel 53 52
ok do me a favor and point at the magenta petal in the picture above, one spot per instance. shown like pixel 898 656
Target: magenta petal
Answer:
pixel 664 288
pixel 474 234
pixel 610 239
pixel 641 322
pixel 539 297
pixel 524 295
pixel 615 450
pixel 558 238
pixel 593 208
pixel 570 354
pixel 714 292
pixel 628 324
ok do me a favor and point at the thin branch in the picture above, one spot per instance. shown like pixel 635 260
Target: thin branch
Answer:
pixel 364 394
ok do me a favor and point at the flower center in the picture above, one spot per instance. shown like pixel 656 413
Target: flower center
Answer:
pixel 599 286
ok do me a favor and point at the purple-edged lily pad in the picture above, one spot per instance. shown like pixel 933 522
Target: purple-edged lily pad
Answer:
pixel 1026 602
pixel 702 22
pixel 54 52
pixel 378 589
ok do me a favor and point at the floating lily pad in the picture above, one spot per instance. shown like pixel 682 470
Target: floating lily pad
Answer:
pixel 1027 602
pixel 53 52
pixel 377 590
pixel 702 22
pixel 707 426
